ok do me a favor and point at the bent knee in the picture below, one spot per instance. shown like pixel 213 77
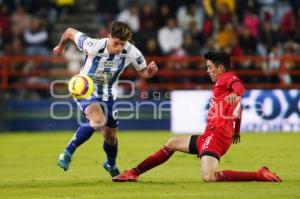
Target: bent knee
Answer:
pixel 209 178
pixel 110 140
pixel 97 122
pixel 171 143
pixel 95 115
pixel 109 137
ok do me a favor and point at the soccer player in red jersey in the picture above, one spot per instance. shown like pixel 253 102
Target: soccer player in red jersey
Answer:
pixel 222 129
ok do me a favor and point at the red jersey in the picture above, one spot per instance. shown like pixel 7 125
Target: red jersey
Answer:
pixel 222 115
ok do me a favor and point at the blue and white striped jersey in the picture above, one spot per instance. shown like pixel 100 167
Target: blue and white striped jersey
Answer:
pixel 105 68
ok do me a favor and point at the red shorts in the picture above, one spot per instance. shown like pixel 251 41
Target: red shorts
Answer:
pixel 213 144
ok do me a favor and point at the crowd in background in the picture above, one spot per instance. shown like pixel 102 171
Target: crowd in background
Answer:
pixel 268 28
pixel 26 25
pixel 25 29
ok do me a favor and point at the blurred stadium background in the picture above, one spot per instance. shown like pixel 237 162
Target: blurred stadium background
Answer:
pixel 262 36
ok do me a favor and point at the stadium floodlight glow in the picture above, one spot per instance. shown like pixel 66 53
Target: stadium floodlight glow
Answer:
pixel 83 122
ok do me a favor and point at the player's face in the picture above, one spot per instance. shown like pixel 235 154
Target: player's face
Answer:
pixel 213 70
pixel 115 45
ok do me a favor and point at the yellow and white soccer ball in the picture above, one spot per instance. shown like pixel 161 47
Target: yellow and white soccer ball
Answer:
pixel 81 86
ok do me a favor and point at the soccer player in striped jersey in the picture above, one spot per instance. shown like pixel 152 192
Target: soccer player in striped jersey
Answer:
pixel 222 129
pixel 105 60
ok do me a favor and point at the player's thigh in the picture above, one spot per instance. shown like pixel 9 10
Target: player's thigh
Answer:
pixel 109 134
pixel 94 112
pixel 180 143
pixel 210 166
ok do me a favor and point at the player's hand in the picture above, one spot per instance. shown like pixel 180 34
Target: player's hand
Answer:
pixel 236 138
pixel 58 50
pixel 231 98
pixel 152 68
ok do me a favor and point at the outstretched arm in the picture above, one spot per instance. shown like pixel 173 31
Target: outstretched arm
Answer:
pixel 236 138
pixel 238 91
pixel 149 71
pixel 66 37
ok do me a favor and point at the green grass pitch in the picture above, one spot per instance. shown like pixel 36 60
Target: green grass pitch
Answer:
pixel 28 168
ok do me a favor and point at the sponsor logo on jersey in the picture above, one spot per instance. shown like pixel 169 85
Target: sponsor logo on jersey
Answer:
pixel 140 59
pixel 108 64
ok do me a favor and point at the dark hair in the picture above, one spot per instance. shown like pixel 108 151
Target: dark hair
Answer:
pixel 120 30
pixel 218 58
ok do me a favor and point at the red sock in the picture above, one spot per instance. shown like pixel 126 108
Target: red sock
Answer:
pixel 228 175
pixel 154 160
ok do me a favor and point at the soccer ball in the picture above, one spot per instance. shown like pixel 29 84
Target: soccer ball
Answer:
pixel 81 86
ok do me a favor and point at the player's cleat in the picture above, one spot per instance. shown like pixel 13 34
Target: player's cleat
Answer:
pixel 266 175
pixel 126 176
pixel 113 171
pixel 64 160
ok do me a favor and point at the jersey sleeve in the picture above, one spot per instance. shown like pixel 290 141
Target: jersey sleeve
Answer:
pixel 86 44
pixel 137 59
pixel 234 83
